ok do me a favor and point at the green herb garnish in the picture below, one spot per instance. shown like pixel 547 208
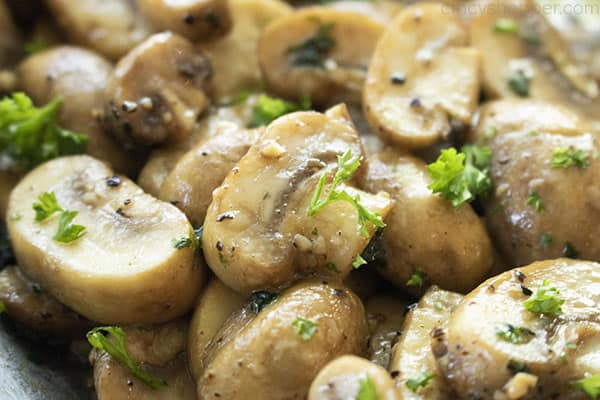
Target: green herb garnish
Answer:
pixel 545 301
pixel 564 157
pixel 111 339
pixel 67 231
pixel 313 51
pixel 518 82
pixel 417 279
pixel 2 307
pixel 259 300
pixel 46 206
pixel 514 335
pixel 182 243
pixel 268 109
pixel 516 366
pixel 304 327
pixel 366 389
pixel 589 386
pixel 35 46
pixel 506 25
pixel 358 262
pixel 332 267
pixel 535 200
pixel 545 240
pixel 419 382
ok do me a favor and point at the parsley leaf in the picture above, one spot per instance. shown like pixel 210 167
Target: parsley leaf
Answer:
pixel 514 335
pixel 2 307
pixel 259 300
pixel 347 166
pixel 112 340
pixel 518 82
pixel 417 279
pixel 46 206
pixel 35 46
pixel 516 366
pixel 182 243
pixel 419 382
pixel 67 231
pixel 366 390
pixel 506 25
pixel 545 301
pixel 358 262
pixel 535 200
pixel 314 49
pixel 268 109
pixel 30 135
pixel 590 386
pixel 304 327
pixel 461 177
pixel 564 157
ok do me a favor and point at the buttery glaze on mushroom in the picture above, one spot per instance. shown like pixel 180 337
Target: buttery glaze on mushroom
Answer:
pixel 257 231
pixel 425 232
pixel 549 351
pixel 80 77
pixel 271 356
pixel 532 59
pixel 234 58
pixel 422 75
pixel 344 377
pixel 413 356
pixel 159 350
pixel 157 91
pixel 126 268
pixel 110 27
pixel 318 52
pixel 540 209
pixel 192 19
pixel 385 313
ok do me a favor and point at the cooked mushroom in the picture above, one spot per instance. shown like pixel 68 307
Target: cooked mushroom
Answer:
pixel 545 202
pixel 157 91
pixel 526 57
pixel 382 10
pixel 114 274
pixel 79 76
pixel 426 234
pixel 527 333
pixel 159 349
pixel 422 74
pixel 11 43
pixel 276 353
pixel 234 58
pixel 260 236
pixel 413 364
pixel 318 52
pixel 110 27
pixel 349 376
pixel 28 303
pixel 192 19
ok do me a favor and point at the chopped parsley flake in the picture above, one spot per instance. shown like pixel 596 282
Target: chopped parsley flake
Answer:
pixel 358 262
pixel 545 301
pixel 545 240
pixel 313 51
pixel 259 300
pixel 535 200
pixel 419 382
pixel 417 279
pixel 589 385
pixel 347 166
pixel 35 46
pixel 518 82
pixel 268 109
pixel 2 307
pixel 461 177
pixel 366 389
pixel 516 366
pixel 506 25
pixel 514 335
pixel 182 243
pixel 332 267
pixel 490 132
pixel 67 231
pixel 304 327
pixel 112 340
pixel 565 157
pixel 46 206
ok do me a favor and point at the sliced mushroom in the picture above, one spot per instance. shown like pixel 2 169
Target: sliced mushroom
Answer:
pixel 540 211
pixel 259 236
pixel 234 58
pixel 534 56
pixel 80 77
pixel 157 91
pixel 382 10
pixel 28 303
pixel 277 353
pixel 126 268
pixel 192 19
pixel 318 52
pixel 215 305
pixel 422 74
pixel 424 232
pixel 385 313
pixel 493 338
pixel 413 356
pixel 159 350
pixel 11 43
pixel 110 27
pixel 347 376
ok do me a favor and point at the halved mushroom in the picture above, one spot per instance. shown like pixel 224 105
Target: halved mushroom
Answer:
pixel 215 305
pixel 348 376
pixel 11 43
pixel 80 77
pixel 192 19
pixel 385 313
pixel 110 27
pixel 422 75
pixel 126 269
pixel 318 52
pixel 28 303
pixel 157 91
pixel 258 233
pixel 424 232
pixel 160 351
pixel 277 353
pixel 234 58
pixel 541 208
pixel 413 356
pixel 527 332
pixel 526 57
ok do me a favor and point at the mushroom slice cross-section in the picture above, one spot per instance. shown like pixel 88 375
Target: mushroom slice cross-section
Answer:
pixel 422 74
